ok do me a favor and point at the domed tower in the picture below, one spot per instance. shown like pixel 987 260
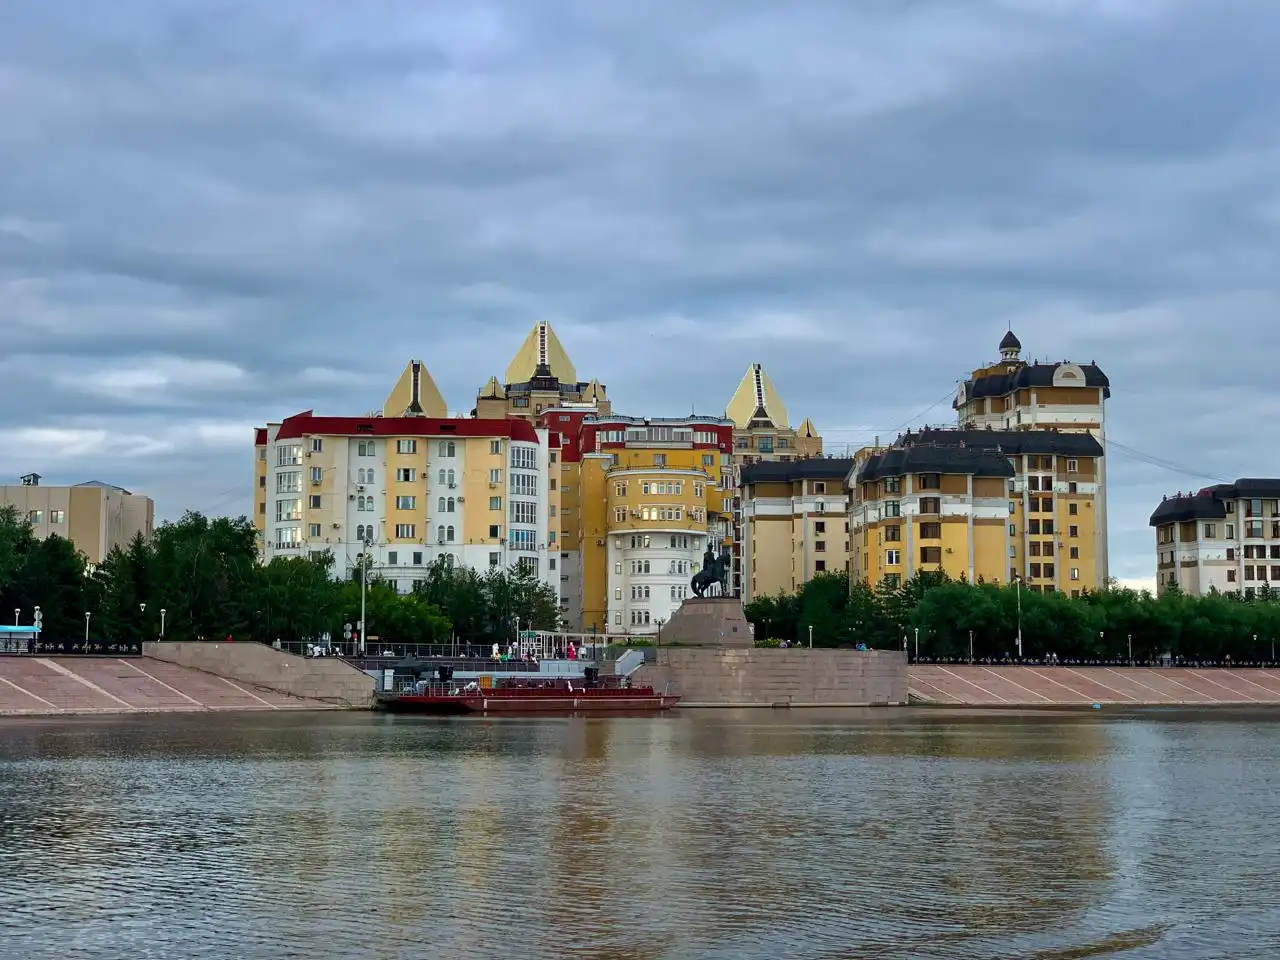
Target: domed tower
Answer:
pixel 1010 347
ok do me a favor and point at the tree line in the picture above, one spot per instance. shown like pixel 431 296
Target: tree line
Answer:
pixel 205 575
pixel 942 614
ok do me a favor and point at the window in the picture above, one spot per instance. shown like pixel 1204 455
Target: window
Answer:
pixel 1073 487
pixel 495 503
pixel 524 458
pixel 1048 570
pixel 892 533
pixel 708 459
pixel 1230 531
pixel 1073 509
pixel 1013 531
pixel 1074 553
pixel 446 448
pixel 619 514
pixel 365 448
pixel 317 474
pixel 405 531
pixel 930 481
pixel 523 512
pixel 524 484
pixel 288 536
pixel 289 482
pixel 892 485
pixel 1033 570
pixel 314 502
pixel 1253 528
pixel 523 539
pixel 1073 466
pixel 820 546
pixel 930 505
pixel 495 531
pixel 1033 548
pixel 1073 531
pixel 930 554
pixel 819 486
pixel 930 531
pixel 313 530
pixel 495 475
pixel 417 558
pixel 450 504
pixel 288 455
pixel 1046 527
pixel 57 516
pixel 406 503
pixel 892 508
pixel 495 447
pixel 1033 526
pixel 1033 483
pixel 288 510
pixel 406 446
pixel 659 460
pixel 392 558
pixel 1046 504
pixel 450 479
pixel 1231 576
pixel 406 475
pixel 364 534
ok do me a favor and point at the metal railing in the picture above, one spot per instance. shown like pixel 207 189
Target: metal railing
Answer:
pixel 31 647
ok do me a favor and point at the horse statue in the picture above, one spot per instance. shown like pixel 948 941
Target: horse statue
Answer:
pixel 714 572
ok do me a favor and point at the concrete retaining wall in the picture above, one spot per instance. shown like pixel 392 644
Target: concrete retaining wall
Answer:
pixel 320 678
pixel 757 677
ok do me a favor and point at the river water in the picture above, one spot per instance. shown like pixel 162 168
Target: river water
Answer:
pixel 709 835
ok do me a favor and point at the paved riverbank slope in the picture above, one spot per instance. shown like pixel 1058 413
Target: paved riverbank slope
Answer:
pixel 1081 686
pixel 45 686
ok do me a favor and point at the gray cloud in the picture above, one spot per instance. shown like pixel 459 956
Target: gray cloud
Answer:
pixel 213 215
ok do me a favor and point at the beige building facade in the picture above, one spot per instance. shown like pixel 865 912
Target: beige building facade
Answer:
pixel 794 523
pixel 1224 539
pixel 94 516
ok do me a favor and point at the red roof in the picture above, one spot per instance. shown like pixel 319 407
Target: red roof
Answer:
pixel 305 424
pixel 260 436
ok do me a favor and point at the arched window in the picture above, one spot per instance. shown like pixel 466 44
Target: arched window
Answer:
pixel 360 533
pixel 360 475
pixel 451 478
pixel 440 505
pixel 442 477
pixel 453 450
pixel 451 534
pixel 451 504
pixel 440 534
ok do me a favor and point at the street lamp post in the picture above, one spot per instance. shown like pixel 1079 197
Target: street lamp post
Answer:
pixel 87 615
pixel 162 613
pixel 811 636
pixel 971 648
pixel 1131 649
pixel 17 616
pixel 364 586
pixel 659 653
pixel 1017 581
pixel 39 622
pixel 142 614
pixel 917 644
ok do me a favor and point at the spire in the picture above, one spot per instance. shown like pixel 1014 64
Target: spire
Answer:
pixel 415 395
pixel 541 355
pixel 756 402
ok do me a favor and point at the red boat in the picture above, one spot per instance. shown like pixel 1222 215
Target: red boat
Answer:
pixel 526 696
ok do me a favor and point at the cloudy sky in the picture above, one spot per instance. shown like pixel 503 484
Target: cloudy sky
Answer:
pixel 213 214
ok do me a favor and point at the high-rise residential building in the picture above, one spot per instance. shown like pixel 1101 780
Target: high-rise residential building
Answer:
pixel 641 499
pixel 981 504
pixel 1224 538
pixel 539 377
pixel 94 516
pixel 1017 395
pixel 762 433
pixel 407 490
pixel 794 523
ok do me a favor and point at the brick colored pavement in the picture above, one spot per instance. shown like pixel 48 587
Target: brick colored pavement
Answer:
pixel 1028 686
pixel 79 685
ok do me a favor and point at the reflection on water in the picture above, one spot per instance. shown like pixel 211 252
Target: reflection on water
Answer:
pixel 718 835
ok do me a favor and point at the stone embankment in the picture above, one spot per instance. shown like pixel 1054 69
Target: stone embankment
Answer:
pixel 763 677
pixel 1024 686
pixel 45 686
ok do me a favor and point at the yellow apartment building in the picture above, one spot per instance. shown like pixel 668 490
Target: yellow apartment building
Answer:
pixel 644 499
pixel 94 516
pixel 794 523
pixel 1063 396
pixel 407 490
pixel 984 505
pixel 540 376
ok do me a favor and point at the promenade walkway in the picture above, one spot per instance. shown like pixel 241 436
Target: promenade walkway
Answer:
pixel 1024 686
pixel 87 685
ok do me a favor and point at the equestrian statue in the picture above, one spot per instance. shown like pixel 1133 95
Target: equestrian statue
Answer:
pixel 714 572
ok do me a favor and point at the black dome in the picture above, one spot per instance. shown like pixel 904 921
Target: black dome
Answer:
pixel 1010 342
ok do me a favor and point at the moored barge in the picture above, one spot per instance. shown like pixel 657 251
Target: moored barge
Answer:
pixel 521 695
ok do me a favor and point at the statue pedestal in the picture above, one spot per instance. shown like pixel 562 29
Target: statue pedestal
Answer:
pixel 709 622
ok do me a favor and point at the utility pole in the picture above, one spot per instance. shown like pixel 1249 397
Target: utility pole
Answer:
pixel 917 644
pixel 970 647
pixel 1017 580
pixel 811 636
pixel 364 586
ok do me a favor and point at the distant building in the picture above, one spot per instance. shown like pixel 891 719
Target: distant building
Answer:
pixel 794 523
pixel 1066 397
pixel 94 516
pixel 407 490
pixel 1224 538
pixel 539 377
pixel 981 504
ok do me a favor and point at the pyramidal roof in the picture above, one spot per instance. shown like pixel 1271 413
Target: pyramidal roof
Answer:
pixel 415 395
pixel 756 402
pixel 492 390
pixel 807 429
pixel 541 348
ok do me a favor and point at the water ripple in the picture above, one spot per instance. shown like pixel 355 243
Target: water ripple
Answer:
pixel 765 835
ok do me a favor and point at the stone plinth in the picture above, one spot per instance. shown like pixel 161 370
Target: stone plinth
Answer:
pixel 773 677
pixel 709 622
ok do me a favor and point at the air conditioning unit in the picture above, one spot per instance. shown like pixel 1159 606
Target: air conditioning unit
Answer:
pixel 453 486
pixel 599 543
pixel 635 513
pixel 360 488
pixel 492 485
pixel 462 499
pixel 315 483
pixel 308 454
pixel 351 496
pixel 337 526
